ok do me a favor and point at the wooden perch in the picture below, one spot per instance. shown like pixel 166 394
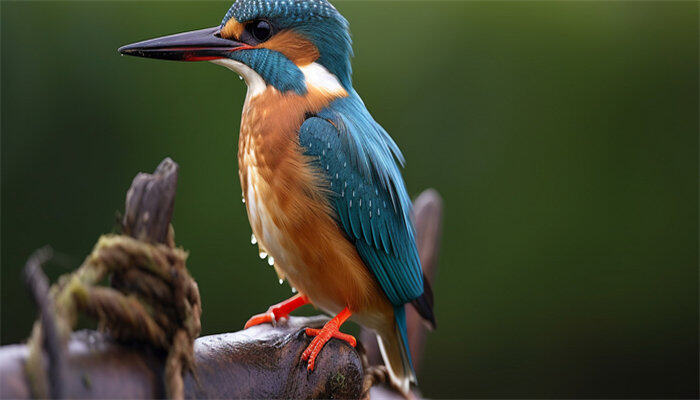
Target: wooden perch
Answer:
pixel 260 362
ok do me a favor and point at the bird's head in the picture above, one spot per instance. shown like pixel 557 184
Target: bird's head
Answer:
pixel 279 43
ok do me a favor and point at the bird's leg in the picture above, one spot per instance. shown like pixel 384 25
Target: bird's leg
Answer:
pixel 329 330
pixel 279 310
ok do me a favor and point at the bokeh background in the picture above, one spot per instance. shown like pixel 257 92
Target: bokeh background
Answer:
pixel 563 137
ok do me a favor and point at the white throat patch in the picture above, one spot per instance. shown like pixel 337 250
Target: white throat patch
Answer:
pixel 256 84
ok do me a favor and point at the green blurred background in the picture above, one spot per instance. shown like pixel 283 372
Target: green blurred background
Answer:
pixel 563 137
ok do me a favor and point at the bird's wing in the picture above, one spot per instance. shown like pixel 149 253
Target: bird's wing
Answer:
pixel 373 209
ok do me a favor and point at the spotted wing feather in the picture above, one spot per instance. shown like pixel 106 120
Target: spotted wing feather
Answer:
pixel 369 208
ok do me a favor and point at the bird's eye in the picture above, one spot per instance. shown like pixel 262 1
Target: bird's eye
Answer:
pixel 261 30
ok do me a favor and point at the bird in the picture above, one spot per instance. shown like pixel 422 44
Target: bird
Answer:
pixel 320 178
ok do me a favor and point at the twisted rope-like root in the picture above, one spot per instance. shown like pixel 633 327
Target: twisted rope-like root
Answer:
pixel 153 299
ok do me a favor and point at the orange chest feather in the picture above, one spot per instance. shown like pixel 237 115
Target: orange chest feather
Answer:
pixel 268 138
pixel 287 206
pixel 280 188
pixel 270 160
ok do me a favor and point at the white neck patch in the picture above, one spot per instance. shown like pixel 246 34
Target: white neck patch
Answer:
pixel 315 75
pixel 318 77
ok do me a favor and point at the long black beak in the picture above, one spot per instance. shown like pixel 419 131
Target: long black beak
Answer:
pixel 200 45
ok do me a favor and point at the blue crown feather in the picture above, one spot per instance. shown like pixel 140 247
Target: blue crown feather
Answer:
pixel 317 20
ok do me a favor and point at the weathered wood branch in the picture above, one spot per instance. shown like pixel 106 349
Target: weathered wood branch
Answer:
pixel 150 202
pixel 260 362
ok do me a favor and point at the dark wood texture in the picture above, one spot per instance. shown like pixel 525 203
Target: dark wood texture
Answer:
pixel 150 202
pixel 260 362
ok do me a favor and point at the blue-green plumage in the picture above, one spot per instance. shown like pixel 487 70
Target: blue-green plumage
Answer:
pixel 275 68
pixel 368 195
pixel 379 226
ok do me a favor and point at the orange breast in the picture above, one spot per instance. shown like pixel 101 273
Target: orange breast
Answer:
pixel 287 208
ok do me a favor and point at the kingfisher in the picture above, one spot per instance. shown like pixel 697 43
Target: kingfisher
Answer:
pixel 320 177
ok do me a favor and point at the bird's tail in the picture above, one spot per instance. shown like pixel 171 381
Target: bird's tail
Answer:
pixel 424 304
pixel 396 353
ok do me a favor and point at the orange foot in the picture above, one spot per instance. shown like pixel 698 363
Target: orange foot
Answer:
pixel 280 310
pixel 322 336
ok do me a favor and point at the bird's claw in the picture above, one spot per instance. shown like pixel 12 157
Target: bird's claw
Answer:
pixel 278 311
pixel 322 336
pixel 258 319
